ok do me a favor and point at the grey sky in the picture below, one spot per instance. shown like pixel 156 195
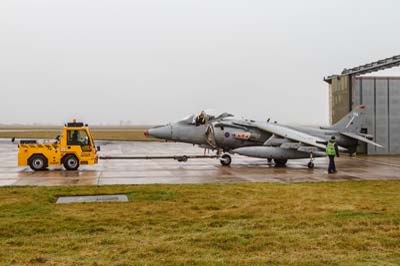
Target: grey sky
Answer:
pixel 153 61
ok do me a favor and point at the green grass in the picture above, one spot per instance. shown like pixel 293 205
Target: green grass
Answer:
pixel 346 223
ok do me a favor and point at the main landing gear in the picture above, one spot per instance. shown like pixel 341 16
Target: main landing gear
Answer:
pixel 280 162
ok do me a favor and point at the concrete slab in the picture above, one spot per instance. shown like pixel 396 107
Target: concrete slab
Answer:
pixel 94 198
pixel 243 169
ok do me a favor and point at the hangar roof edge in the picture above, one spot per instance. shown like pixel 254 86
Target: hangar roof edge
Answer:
pixel 368 68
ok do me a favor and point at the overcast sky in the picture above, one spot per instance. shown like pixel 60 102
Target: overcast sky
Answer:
pixel 154 61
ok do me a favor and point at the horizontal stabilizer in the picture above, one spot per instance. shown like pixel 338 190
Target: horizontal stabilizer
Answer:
pixel 360 138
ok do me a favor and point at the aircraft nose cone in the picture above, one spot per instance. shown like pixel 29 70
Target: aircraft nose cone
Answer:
pixel 161 132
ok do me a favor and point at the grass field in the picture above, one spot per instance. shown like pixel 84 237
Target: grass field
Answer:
pixel 346 223
pixel 99 133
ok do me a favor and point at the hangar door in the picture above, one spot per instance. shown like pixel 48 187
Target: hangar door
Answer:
pixel 381 95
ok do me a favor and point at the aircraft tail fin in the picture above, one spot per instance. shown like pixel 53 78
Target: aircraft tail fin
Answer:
pixel 352 121
pixel 350 126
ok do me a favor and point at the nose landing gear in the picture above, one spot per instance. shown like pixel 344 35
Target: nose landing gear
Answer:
pixel 225 159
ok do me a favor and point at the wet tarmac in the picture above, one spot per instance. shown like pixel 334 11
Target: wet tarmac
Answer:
pixel 243 169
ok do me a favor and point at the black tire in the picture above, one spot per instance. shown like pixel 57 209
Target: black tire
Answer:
pixel 280 162
pixel 269 160
pixel 226 160
pixel 310 165
pixel 184 158
pixel 70 162
pixel 38 162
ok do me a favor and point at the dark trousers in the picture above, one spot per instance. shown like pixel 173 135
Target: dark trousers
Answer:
pixel 332 166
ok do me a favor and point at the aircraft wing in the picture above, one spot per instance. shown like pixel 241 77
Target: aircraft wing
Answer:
pixel 360 138
pixel 292 134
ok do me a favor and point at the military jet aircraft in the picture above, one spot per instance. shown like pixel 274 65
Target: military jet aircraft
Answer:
pixel 264 139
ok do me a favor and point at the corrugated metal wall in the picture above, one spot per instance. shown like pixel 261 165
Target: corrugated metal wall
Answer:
pixel 339 101
pixel 382 98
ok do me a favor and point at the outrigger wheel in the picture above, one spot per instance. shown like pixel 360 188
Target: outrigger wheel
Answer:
pixel 226 160
pixel 310 165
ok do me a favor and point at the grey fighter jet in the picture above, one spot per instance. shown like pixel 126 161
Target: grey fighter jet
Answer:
pixel 264 139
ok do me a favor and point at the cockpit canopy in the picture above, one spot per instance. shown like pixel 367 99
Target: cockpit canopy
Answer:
pixel 187 120
pixel 191 119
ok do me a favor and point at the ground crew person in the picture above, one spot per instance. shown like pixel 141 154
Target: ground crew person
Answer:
pixel 332 151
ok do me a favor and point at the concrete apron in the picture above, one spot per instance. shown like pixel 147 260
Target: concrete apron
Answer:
pixel 243 169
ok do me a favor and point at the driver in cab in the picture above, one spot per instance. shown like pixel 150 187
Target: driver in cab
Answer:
pixel 78 139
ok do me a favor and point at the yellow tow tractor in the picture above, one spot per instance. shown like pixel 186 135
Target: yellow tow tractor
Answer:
pixel 74 147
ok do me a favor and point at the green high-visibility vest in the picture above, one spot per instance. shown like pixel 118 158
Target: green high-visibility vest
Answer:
pixel 330 149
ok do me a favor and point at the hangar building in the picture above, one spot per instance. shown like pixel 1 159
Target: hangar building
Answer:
pixel 381 95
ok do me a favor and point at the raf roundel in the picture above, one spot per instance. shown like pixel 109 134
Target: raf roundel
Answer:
pixel 227 134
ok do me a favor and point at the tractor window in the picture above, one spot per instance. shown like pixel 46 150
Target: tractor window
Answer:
pixel 77 137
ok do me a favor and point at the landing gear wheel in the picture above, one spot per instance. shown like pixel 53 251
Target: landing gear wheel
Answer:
pixel 269 160
pixel 184 158
pixel 226 160
pixel 70 162
pixel 280 162
pixel 38 162
pixel 310 165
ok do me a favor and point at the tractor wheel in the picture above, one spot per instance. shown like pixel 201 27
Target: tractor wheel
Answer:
pixel 70 162
pixel 37 162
